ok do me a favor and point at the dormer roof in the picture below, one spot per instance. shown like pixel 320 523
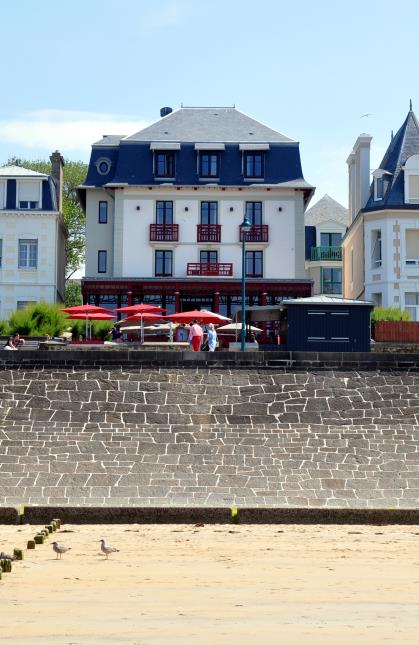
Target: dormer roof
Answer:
pixel 16 172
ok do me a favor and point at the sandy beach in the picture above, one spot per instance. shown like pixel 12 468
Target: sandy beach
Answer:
pixel 214 584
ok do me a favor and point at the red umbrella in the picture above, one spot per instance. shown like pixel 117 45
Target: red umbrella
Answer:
pixel 138 309
pixel 100 313
pixel 85 309
pixel 147 316
pixel 200 316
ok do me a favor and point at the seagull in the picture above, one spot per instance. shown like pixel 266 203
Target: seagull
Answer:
pixel 364 115
pixel 59 549
pixel 4 556
pixel 107 549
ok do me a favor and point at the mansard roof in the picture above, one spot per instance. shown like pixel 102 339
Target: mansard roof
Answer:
pixel 205 125
pixel 19 172
pixel 402 146
pixel 325 210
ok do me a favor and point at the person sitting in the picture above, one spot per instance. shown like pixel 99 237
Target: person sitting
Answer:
pixel 10 345
pixel 18 341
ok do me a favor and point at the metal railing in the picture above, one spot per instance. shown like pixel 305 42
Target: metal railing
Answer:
pixel 164 232
pixel 210 268
pixel 326 253
pixel 259 233
pixel 209 233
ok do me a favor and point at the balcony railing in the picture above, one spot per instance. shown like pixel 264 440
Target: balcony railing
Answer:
pixel 164 232
pixel 258 233
pixel 210 268
pixel 209 233
pixel 326 253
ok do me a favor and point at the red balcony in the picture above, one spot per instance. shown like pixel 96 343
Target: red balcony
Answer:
pixel 209 233
pixel 210 268
pixel 257 234
pixel 164 232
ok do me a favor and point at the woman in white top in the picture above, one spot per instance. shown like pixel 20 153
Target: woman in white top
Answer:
pixel 212 338
pixel 10 345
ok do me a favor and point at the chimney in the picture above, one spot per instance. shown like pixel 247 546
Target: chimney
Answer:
pixel 57 168
pixel 359 175
pixel 164 111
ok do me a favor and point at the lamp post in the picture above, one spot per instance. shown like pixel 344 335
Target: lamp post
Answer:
pixel 245 227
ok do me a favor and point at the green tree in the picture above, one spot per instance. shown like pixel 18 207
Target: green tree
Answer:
pixel 73 295
pixel 74 217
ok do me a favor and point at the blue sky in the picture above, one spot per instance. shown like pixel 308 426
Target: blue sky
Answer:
pixel 73 71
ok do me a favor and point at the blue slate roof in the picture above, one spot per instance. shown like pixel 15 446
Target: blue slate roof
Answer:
pixel 403 145
pixel 130 158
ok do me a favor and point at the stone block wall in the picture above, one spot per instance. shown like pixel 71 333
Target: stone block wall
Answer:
pixel 200 436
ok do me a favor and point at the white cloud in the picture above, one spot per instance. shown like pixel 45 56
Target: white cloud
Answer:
pixel 65 130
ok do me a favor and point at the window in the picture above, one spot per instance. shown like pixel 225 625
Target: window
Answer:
pixel 28 194
pixel 378 186
pixel 164 164
pixel 253 165
pixel 209 213
pixel 331 280
pixel 330 239
pixel 163 261
pixel 254 264
pixel 101 261
pixel 377 299
pixel 376 249
pixel 22 304
pixel 208 256
pixel 414 188
pixel 164 212
pixel 103 212
pixel 412 247
pixel 103 165
pixel 28 254
pixel 1 252
pixel 254 213
pixel 411 301
pixel 208 165
pixel 2 194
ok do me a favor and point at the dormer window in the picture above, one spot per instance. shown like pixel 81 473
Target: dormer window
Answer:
pixel 253 160
pixel 164 164
pixel 208 165
pixel 411 180
pixel 29 195
pixel 381 183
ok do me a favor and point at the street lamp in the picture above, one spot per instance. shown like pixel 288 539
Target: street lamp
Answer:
pixel 245 227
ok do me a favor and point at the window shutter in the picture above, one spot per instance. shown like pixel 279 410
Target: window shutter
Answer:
pixel 412 245
pixel 28 191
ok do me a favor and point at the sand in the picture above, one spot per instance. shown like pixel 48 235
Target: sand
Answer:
pixel 214 585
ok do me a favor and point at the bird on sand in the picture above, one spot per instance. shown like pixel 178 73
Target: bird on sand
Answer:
pixel 59 549
pixel 107 549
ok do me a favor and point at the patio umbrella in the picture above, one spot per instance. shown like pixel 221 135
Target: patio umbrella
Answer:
pixel 85 309
pixel 138 309
pixel 201 316
pixel 141 318
pixel 92 317
pixel 237 327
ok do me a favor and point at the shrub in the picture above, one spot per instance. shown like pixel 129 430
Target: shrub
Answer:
pixel 4 328
pixel 100 329
pixel 38 320
pixel 393 314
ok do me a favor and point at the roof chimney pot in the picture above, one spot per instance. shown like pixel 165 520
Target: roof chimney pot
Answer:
pixel 164 111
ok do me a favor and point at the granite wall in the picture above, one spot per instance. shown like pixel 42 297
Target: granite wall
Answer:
pixel 189 436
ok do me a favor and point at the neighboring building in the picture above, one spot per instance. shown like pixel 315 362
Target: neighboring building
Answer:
pixel 164 205
pixel 381 248
pixel 32 237
pixel 326 224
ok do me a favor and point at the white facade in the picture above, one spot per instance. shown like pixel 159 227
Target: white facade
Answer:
pixel 32 248
pixel 131 211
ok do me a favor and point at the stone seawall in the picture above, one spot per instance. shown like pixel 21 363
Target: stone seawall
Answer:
pixel 199 436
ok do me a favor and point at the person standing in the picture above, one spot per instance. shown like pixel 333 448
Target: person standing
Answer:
pixel 212 338
pixel 195 336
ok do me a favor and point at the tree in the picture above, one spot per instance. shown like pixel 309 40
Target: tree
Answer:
pixel 74 217
pixel 73 295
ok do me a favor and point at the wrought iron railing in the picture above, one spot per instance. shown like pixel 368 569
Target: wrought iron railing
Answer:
pixel 210 268
pixel 258 233
pixel 164 232
pixel 209 233
pixel 326 253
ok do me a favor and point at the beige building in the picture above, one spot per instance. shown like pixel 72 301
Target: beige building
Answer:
pixel 381 247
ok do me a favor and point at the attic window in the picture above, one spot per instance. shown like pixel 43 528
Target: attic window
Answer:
pixel 378 188
pixel 411 180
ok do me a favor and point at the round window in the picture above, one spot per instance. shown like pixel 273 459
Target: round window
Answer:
pixel 103 166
